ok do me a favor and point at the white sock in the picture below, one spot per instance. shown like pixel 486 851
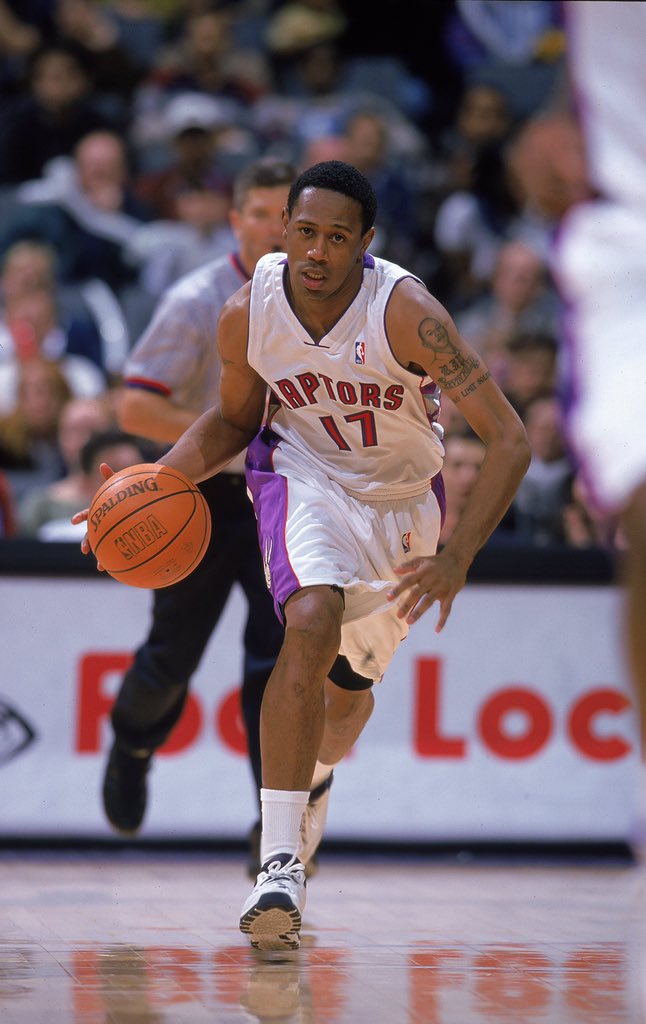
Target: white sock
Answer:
pixel 321 772
pixel 282 811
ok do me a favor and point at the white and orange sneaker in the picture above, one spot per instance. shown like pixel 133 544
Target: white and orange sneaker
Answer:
pixel 313 825
pixel 271 916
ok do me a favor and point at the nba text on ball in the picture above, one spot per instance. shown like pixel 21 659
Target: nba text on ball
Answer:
pixel 126 492
pixel 139 537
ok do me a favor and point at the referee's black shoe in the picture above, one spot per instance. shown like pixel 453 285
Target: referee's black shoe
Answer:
pixel 124 788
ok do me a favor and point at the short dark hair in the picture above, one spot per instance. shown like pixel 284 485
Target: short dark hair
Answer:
pixel 532 341
pixel 267 172
pixel 338 176
pixel 103 439
pixel 67 48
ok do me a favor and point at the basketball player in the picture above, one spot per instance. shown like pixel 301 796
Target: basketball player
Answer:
pixel 170 378
pixel 600 267
pixel 345 479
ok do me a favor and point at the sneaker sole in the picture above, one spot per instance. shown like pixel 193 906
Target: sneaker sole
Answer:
pixel 273 924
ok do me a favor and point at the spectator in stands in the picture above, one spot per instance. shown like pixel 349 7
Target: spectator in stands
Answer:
pixel 202 58
pixel 29 450
pixel 79 420
pixel 547 167
pixel 144 28
pixel 543 493
pixel 8 525
pixel 46 514
pixel 319 85
pixel 31 327
pixel 194 194
pixel 114 72
pixel 194 123
pixel 308 103
pixel 583 526
pixel 472 226
pixel 19 38
pixel 482 119
pixel 302 39
pixel 520 47
pixel 464 454
pixel 26 267
pixel 90 320
pixel 487 31
pixel 58 109
pixel 521 300
pixel 369 147
pixel 85 210
pixel 530 368
pixel 451 419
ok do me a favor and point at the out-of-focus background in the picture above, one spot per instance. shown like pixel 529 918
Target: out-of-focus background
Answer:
pixel 122 127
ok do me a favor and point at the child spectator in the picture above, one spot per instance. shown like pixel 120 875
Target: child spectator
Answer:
pixel 29 450
pixel 51 516
pixel 80 419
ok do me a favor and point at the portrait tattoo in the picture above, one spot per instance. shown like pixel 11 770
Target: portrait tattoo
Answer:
pixel 455 367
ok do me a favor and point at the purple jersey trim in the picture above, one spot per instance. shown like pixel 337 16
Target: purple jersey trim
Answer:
pixel 269 494
pixel 570 384
pixel 437 486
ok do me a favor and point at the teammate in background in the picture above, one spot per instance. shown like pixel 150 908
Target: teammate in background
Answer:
pixel 600 268
pixel 345 480
pixel 170 378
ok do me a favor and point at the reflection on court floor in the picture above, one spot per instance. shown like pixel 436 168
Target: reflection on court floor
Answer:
pixel 152 939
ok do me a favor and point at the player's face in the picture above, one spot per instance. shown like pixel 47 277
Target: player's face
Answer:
pixel 325 244
pixel 259 223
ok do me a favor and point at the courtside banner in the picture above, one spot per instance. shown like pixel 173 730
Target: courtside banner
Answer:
pixel 515 723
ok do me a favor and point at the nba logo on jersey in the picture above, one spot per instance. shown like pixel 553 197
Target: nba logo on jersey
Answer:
pixel 266 560
pixel 360 352
pixel 406 542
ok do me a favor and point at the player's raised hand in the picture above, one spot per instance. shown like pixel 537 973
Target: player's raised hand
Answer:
pixel 426 580
pixel 81 516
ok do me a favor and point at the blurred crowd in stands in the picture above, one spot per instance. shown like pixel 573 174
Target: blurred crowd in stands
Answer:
pixel 122 127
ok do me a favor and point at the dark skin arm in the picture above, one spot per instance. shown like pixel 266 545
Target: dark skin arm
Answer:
pixel 427 339
pixel 227 428
pixel 219 434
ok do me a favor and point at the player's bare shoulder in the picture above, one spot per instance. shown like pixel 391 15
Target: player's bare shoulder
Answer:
pixel 233 327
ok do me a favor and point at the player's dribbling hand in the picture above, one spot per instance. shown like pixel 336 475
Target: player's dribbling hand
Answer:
pixel 81 517
pixel 427 580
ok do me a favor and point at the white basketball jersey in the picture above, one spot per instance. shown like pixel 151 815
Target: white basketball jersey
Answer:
pixel 606 54
pixel 345 405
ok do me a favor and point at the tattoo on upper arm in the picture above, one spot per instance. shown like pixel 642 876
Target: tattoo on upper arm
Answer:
pixel 454 366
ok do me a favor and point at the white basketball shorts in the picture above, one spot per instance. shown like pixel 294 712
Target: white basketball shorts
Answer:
pixel 313 533
pixel 600 267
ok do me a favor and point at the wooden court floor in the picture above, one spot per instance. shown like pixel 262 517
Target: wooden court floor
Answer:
pixel 140 937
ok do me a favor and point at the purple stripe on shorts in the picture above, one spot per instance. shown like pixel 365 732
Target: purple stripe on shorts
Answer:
pixel 268 491
pixel 437 486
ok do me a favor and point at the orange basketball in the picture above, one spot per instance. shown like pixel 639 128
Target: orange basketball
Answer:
pixel 149 526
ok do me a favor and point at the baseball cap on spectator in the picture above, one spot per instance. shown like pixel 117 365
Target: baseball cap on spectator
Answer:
pixel 195 111
pixel 296 27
